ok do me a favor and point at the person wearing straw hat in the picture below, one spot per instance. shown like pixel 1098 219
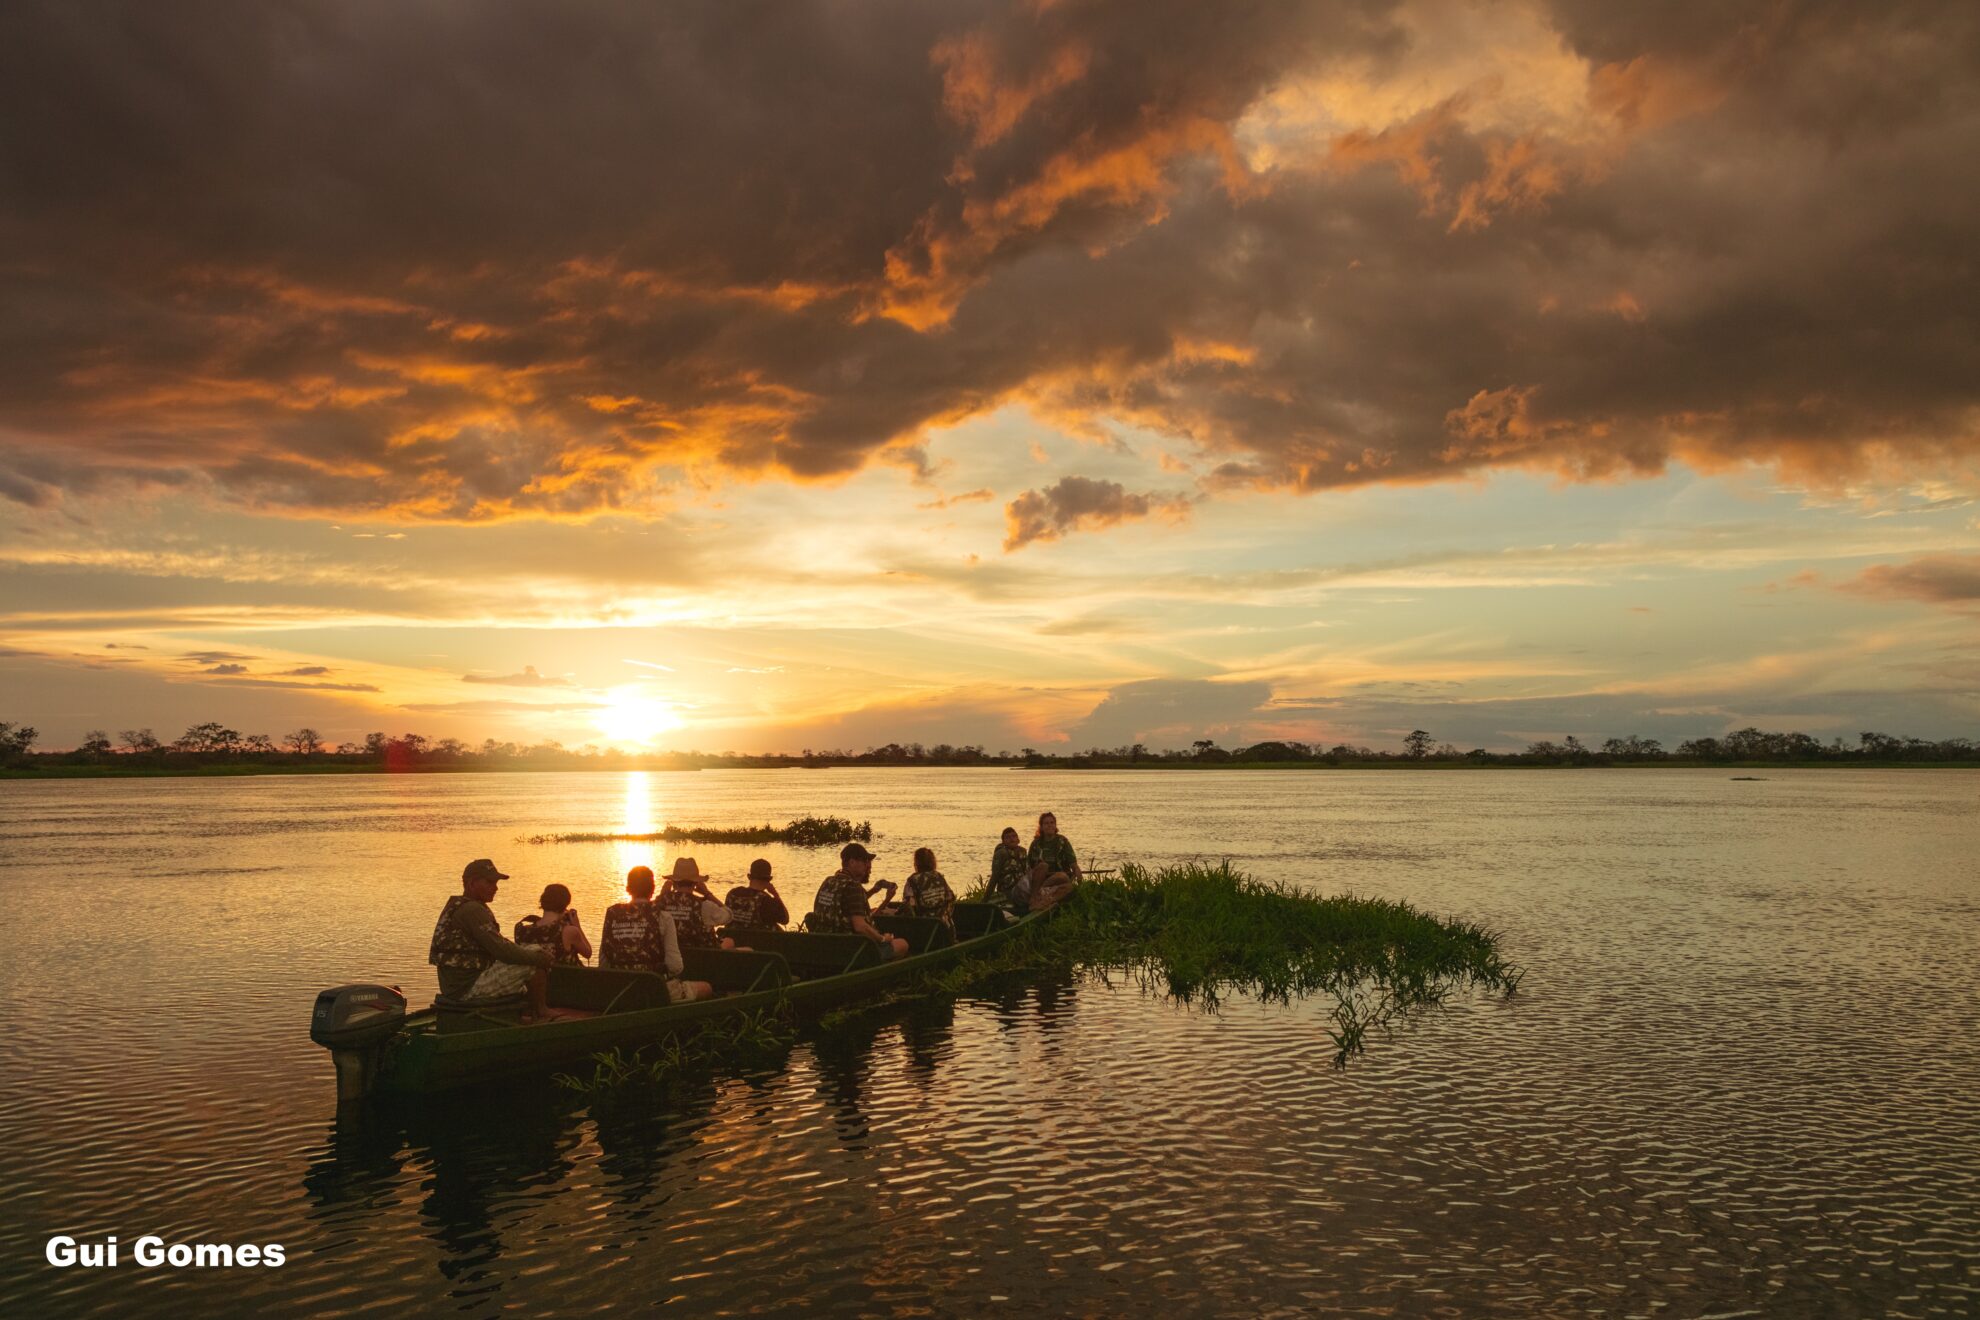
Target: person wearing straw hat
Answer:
pixel 685 896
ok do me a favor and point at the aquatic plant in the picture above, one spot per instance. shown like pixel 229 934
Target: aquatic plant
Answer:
pixel 669 1059
pixel 804 832
pixel 1199 932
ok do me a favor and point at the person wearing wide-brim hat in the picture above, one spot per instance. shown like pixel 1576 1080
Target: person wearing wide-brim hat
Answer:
pixel 697 915
pixel 844 902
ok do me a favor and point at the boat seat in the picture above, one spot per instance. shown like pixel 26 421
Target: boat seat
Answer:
pixel 974 920
pixel 921 933
pixel 737 971
pixel 606 989
pixel 450 1014
pixel 810 955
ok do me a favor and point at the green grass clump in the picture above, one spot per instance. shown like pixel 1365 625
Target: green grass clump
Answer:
pixel 804 832
pixel 1200 932
pixel 683 1053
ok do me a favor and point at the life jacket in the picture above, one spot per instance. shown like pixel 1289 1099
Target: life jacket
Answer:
pixel 633 939
pixel 1008 865
pixel 689 928
pixel 927 894
pixel 534 929
pixel 746 907
pixel 452 946
pixel 839 899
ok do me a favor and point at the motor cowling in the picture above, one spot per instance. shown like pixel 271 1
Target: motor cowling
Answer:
pixel 354 1016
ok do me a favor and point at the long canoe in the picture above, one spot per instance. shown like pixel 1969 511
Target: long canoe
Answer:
pixel 783 972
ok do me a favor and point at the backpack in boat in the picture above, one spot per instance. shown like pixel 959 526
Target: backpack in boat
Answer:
pixel 632 939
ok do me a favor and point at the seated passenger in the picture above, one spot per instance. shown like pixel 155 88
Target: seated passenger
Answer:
pixel 843 902
pixel 697 916
pixel 927 893
pixel 758 904
pixel 1010 871
pixel 639 937
pixel 475 964
pixel 557 929
pixel 1054 868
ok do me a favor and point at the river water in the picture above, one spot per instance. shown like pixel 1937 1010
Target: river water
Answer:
pixel 1742 1075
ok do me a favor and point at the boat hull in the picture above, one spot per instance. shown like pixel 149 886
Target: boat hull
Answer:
pixel 424 1057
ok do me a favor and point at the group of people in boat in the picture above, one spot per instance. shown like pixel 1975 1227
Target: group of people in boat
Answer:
pixel 477 964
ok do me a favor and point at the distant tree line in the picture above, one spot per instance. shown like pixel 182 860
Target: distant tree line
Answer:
pixel 215 745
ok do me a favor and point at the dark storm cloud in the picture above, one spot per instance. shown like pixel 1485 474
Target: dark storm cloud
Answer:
pixel 453 261
pixel 1075 502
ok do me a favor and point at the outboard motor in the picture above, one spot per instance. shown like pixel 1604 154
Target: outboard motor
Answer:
pixel 353 1022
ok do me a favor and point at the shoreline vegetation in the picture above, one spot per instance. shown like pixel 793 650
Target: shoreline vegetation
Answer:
pixel 804 832
pixel 1195 933
pixel 213 749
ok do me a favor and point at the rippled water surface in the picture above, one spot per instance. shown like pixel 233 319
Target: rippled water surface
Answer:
pixel 1742 1075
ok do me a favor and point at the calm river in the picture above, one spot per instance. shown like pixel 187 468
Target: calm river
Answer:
pixel 1742 1076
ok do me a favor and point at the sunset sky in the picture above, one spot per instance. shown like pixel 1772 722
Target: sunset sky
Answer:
pixel 757 376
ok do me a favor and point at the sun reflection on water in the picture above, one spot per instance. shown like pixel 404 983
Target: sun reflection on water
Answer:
pixel 638 818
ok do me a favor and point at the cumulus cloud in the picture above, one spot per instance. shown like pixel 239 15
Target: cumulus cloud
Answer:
pixel 1310 243
pixel 225 669
pixel 1072 503
pixel 1935 579
pixel 527 678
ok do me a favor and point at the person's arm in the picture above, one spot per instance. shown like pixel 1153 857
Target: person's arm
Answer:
pixel 481 928
pixel 861 926
pixel 672 945
pixel 780 915
pixel 1072 859
pixel 574 937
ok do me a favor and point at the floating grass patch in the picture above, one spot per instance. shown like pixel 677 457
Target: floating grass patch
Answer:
pixel 1199 933
pixel 669 1060
pixel 804 832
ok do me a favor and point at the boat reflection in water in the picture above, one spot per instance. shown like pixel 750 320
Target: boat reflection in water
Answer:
pixel 790 1159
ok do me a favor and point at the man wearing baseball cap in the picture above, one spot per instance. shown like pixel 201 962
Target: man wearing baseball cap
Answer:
pixel 476 962
pixel 758 904
pixel 843 902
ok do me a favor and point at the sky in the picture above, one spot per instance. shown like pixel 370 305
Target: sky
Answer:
pixel 758 376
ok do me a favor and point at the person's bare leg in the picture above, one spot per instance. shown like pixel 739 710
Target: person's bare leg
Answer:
pixel 702 989
pixel 900 947
pixel 539 994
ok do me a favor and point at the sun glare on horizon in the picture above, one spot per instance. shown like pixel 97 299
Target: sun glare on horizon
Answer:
pixel 630 716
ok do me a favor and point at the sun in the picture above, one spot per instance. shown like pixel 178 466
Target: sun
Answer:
pixel 630 716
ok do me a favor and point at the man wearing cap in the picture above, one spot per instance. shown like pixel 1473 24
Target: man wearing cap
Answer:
pixel 758 904
pixel 842 903
pixel 476 963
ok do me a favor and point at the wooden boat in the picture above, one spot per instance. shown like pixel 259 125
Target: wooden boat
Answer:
pixel 379 1049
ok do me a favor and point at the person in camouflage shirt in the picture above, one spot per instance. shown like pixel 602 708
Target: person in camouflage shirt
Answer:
pixel 758 904
pixel 1010 870
pixel 557 929
pixel 698 918
pixel 473 961
pixel 927 893
pixel 1054 867
pixel 843 903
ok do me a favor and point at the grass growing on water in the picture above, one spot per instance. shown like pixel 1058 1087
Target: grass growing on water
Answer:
pixel 1195 932
pixel 717 1042
pixel 804 832
pixel 1199 933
